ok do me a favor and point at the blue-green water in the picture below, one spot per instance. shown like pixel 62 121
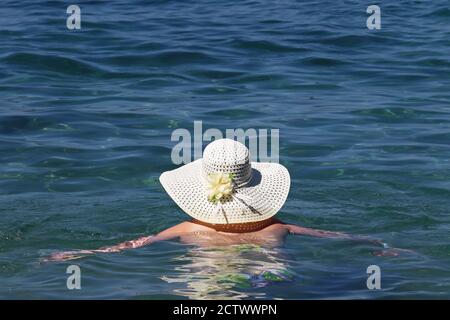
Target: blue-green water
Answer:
pixel 86 118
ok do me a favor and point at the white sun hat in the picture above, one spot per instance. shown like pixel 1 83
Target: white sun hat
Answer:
pixel 225 187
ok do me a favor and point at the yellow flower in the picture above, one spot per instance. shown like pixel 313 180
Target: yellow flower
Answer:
pixel 220 185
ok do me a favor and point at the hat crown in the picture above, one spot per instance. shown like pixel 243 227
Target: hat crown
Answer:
pixel 228 156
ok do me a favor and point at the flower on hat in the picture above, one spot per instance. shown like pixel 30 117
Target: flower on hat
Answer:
pixel 220 186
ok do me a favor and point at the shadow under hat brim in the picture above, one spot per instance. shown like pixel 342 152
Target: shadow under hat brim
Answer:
pixel 267 190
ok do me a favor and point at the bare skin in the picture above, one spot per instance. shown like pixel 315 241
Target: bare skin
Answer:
pixel 205 236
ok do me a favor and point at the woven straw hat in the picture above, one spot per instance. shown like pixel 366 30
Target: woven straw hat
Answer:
pixel 258 190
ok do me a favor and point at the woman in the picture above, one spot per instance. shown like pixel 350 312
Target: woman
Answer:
pixel 231 201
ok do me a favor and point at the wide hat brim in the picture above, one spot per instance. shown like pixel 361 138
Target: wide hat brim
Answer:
pixel 261 198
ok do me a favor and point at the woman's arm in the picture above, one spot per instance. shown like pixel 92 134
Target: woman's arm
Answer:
pixel 386 250
pixel 294 229
pixel 167 234
pixel 77 254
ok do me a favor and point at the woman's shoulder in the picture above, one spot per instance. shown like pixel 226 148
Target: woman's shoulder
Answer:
pixel 191 226
pixel 275 227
